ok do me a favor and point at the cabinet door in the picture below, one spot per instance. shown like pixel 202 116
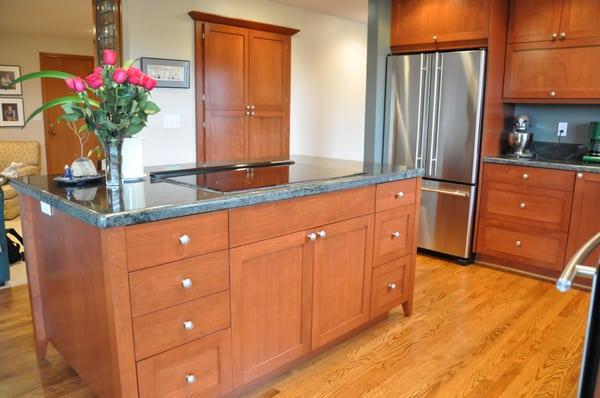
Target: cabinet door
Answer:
pixel 463 20
pixel 585 219
pixel 225 67
pixel 580 19
pixel 342 278
pixel 534 20
pixel 268 135
pixel 271 292
pixel 412 22
pixel 225 135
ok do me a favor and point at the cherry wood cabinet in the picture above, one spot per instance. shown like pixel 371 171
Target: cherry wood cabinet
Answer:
pixel 585 218
pixel 242 88
pixel 433 24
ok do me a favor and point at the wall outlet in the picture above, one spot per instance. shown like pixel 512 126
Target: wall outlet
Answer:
pixel 562 129
pixel 172 121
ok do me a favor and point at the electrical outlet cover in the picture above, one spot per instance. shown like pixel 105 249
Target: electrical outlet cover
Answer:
pixel 562 129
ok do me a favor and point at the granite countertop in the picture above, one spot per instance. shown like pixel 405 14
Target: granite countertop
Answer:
pixel 570 165
pixel 156 198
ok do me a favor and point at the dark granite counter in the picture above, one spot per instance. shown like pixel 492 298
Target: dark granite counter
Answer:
pixel 156 199
pixel 570 165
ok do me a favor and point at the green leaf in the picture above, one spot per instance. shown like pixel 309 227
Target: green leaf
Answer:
pixel 70 117
pixel 55 74
pixel 53 103
pixel 82 128
pixel 133 129
pixel 128 63
pixel 151 108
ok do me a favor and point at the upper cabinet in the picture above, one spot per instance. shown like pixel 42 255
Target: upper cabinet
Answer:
pixel 553 51
pixel 439 24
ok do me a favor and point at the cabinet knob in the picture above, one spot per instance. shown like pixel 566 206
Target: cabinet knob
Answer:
pixel 518 243
pixel 322 234
pixel 435 38
pixel 563 35
pixel 247 107
pixel 247 113
pixel 186 283
pixel 252 107
pixel 552 93
pixel 525 176
pixel 399 195
pixel 190 379
pixel 395 235
pixel 188 325
pixel 554 36
pixel 252 113
pixel 312 236
pixel 184 240
pixel 392 286
pixel 522 205
pixel 579 176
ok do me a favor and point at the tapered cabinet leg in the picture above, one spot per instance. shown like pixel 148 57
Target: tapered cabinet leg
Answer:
pixel 407 307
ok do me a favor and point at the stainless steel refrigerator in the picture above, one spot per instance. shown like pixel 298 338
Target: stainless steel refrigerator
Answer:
pixel 434 105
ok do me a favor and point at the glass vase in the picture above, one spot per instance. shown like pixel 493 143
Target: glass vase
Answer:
pixel 113 155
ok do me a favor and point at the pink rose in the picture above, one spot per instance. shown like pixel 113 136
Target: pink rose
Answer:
pixel 76 84
pixel 109 57
pixel 94 79
pixel 120 75
pixel 134 75
pixel 149 83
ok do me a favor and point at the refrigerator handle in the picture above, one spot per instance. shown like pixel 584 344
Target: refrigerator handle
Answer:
pixel 422 77
pixel 435 118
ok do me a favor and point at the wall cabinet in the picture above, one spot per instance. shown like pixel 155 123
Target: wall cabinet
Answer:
pixel 585 218
pixel 433 24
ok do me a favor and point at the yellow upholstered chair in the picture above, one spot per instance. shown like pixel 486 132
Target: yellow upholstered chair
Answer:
pixel 26 152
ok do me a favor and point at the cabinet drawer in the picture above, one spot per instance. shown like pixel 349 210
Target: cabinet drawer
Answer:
pixel 547 208
pixel 165 329
pixel 390 285
pixel 522 244
pixel 395 194
pixel 260 222
pixel 200 368
pixel 393 234
pixel 518 176
pixel 165 241
pixel 166 285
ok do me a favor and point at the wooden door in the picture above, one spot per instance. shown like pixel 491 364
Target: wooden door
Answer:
pixel 62 145
pixel 579 19
pixel 534 20
pixel 225 135
pixel 268 135
pixel 463 20
pixel 412 22
pixel 585 218
pixel 271 293
pixel 342 278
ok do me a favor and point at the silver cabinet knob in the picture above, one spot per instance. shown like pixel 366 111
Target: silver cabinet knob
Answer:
pixel 252 107
pixel 579 176
pixel 399 195
pixel 392 286
pixel 186 283
pixel 190 379
pixel 395 235
pixel 247 113
pixel 322 234
pixel 552 93
pixel 518 243
pixel 525 176
pixel 188 325
pixel 435 38
pixel 247 107
pixel 184 240
pixel 252 113
pixel 522 205
pixel 563 35
pixel 312 236
pixel 554 36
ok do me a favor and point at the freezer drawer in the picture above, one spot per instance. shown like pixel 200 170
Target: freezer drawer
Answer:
pixel 446 218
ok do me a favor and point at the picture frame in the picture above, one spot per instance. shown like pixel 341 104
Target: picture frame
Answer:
pixel 169 73
pixel 9 73
pixel 12 112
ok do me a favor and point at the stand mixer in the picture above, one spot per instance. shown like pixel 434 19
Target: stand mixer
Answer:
pixel 520 139
pixel 593 154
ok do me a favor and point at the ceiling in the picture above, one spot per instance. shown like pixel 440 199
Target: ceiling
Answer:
pixel 356 10
pixel 57 18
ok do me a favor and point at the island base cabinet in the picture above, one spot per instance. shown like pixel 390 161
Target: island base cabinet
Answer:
pixel 391 285
pixel 271 292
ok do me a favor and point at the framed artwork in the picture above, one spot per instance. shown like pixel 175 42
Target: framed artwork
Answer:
pixel 171 73
pixel 12 112
pixel 8 73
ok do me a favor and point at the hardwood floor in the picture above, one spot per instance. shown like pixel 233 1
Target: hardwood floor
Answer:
pixel 474 332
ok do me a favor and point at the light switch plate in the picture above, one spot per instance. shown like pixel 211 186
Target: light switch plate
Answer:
pixel 45 208
pixel 172 121
pixel 562 129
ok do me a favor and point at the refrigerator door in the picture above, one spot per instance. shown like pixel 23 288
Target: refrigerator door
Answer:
pixel 407 100
pixel 456 112
pixel 446 218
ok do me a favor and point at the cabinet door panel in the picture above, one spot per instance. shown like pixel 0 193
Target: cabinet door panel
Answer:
pixel 463 20
pixel 533 20
pixel 269 71
pixel 585 219
pixel 530 72
pixel 225 69
pixel 271 292
pixel 342 279
pixel 580 19
pixel 225 136
pixel 268 135
pixel 412 22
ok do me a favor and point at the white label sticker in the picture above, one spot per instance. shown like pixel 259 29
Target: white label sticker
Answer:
pixel 46 208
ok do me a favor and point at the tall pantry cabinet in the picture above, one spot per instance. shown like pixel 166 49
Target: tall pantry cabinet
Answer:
pixel 242 88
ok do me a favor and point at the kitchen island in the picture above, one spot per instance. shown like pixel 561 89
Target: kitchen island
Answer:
pixel 209 284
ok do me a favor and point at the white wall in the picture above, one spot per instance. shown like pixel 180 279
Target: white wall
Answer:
pixel 24 50
pixel 328 74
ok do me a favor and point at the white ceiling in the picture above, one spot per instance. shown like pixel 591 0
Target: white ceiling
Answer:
pixel 57 18
pixel 356 10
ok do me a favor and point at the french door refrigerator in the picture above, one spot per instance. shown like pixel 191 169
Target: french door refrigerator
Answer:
pixel 433 120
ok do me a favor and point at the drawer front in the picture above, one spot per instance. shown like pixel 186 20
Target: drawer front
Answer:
pixel 393 234
pixel 166 285
pixel 171 240
pixel 201 369
pixel 260 222
pixel 390 285
pixel 395 194
pixel 519 176
pixel 522 244
pixel 547 208
pixel 165 329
